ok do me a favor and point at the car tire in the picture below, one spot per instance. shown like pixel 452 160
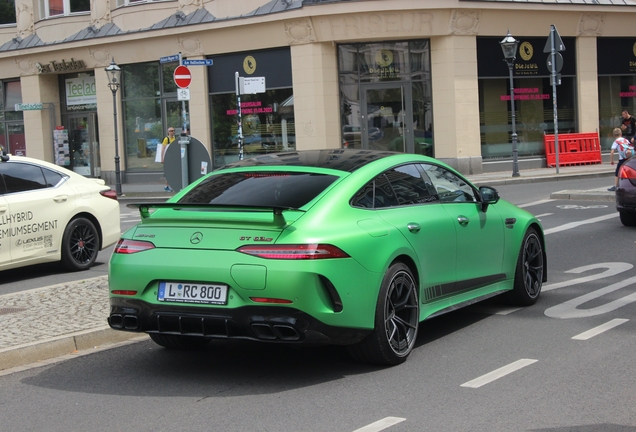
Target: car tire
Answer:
pixel 396 320
pixel 529 271
pixel 178 342
pixel 627 218
pixel 80 244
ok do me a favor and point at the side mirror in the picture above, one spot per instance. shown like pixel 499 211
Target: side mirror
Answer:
pixel 489 196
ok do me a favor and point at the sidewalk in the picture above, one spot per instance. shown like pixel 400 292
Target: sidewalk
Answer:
pixel 59 320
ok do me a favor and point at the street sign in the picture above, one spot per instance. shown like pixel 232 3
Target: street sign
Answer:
pixel 182 77
pixel 169 59
pixel 558 62
pixel 559 46
pixel 252 85
pixel 207 62
pixel 183 94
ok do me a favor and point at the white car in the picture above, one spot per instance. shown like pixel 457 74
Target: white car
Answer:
pixel 49 213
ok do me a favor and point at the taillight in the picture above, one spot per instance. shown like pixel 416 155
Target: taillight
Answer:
pixel 124 292
pixel 627 172
pixel 109 194
pixel 294 252
pixel 126 246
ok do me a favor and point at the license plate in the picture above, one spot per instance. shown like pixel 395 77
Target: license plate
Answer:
pixel 187 292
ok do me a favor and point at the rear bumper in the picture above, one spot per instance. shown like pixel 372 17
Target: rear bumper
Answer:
pixel 261 323
pixel 626 199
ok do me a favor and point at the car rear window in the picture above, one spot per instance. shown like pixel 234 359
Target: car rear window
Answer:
pixel 260 189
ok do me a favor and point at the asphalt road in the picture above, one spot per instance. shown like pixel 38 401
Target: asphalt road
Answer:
pixel 564 364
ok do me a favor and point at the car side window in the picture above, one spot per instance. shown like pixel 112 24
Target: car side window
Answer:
pixel 449 186
pixel 20 177
pixel 411 185
pixel 375 194
pixel 51 177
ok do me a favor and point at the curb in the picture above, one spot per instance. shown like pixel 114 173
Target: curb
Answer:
pixel 477 181
pixel 582 195
pixel 39 351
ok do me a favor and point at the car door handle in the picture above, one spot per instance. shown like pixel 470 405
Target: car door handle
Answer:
pixel 413 227
pixel 3 209
pixel 60 198
pixel 463 220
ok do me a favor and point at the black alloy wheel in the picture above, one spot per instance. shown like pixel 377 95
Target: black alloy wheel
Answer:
pixel 80 244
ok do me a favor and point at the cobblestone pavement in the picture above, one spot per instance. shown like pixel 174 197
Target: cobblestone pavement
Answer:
pixel 57 310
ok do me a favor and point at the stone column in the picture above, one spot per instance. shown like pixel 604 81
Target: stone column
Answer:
pixel 456 102
pixel 316 96
pixel 37 124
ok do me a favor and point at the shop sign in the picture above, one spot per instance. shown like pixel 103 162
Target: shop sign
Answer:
pixel 616 56
pixel 28 107
pixel 62 66
pixel 531 61
pixel 81 90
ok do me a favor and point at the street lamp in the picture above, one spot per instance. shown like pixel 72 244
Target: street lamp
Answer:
pixel 509 47
pixel 114 74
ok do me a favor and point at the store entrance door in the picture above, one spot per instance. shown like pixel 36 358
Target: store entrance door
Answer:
pixel 84 144
pixel 387 117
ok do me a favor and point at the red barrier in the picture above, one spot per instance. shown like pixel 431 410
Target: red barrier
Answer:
pixel 574 149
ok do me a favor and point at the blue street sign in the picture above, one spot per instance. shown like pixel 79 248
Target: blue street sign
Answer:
pixel 207 62
pixel 169 59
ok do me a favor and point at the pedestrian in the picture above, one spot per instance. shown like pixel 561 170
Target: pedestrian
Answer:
pixel 164 146
pixel 625 151
pixel 628 125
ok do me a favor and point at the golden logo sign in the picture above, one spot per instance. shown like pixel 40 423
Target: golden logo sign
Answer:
pixel 525 51
pixel 249 65
pixel 384 57
pixel 634 49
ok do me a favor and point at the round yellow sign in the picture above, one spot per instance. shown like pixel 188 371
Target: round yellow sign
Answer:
pixel 526 51
pixel 249 65
pixel 384 57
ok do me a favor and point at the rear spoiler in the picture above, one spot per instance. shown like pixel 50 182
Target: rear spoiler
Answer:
pixel 277 212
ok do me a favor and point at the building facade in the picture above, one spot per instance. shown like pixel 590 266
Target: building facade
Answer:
pixel 423 77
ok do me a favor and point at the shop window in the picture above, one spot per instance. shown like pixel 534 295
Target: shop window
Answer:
pixel 389 85
pixel 150 106
pixel 7 12
pixel 615 93
pixel 534 114
pixel 267 121
pixel 53 8
pixel 11 121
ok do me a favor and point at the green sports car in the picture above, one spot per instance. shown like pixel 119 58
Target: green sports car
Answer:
pixel 347 247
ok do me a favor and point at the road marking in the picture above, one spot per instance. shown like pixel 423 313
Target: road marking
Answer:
pixel 385 423
pixel 499 373
pixel 571 225
pixel 544 215
pixel 569 309
pixel 600 329
pixel 613 268
pixel 535 203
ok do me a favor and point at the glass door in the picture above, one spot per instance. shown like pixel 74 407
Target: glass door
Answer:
pixel 84 144
pixel 387 117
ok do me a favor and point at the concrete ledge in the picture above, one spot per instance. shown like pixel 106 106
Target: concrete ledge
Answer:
pixel 584 195
pixel 43 350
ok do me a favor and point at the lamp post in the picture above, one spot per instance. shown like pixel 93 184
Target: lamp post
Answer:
pixel 114 74
pixel 509 47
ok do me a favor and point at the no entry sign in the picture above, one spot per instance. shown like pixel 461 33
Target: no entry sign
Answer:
pixel 182 77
